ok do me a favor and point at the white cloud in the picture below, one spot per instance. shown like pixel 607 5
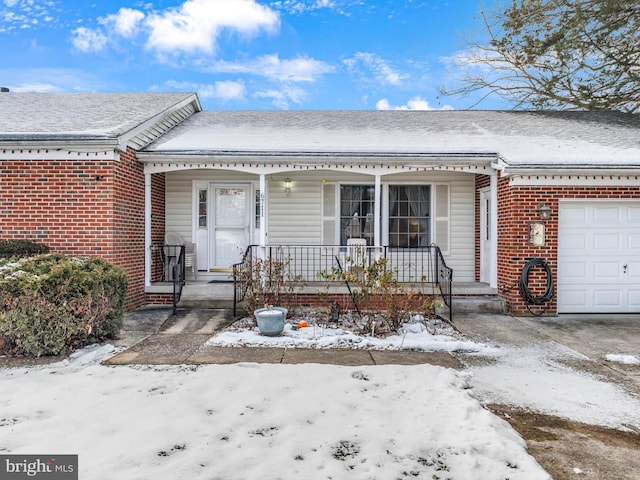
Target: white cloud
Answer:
pixel 367 64
pixel 222 90
pixel 25 14
pixel 192 27
pixel 196 24
pixel 299 69
pixel 415 103
pixel 87 40
pixel 125 23
pixel 50 80
pixel 39 87
pixel 284 97
pixel 298 6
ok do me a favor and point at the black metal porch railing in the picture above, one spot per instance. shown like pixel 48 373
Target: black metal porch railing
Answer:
pixel 445 277
pixel 421 265
pixel 240 272
pixel 173 270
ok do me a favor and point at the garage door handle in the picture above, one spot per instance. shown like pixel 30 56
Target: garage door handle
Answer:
pixel 625 268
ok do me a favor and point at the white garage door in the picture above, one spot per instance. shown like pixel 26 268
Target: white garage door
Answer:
pixel 599 257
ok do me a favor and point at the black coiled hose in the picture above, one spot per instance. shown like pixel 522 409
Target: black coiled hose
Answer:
pixel 523 284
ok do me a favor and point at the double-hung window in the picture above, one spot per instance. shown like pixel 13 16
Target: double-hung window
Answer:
pixel 409 216
pixel 413 216
pixel 356 212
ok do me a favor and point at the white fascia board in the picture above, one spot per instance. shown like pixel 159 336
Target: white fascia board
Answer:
pixel 123 139
pixel 612 169
pixel 272 162
pixel 59 150
pixel 580 178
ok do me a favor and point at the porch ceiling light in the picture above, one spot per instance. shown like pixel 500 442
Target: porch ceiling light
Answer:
pixel 287 185
pixel 544 211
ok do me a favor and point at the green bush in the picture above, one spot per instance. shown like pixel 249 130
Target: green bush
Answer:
pixel 21 248
pixel 51 304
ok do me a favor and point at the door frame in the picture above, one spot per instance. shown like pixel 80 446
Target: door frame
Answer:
pixel 486 235
pixel 207 234
pixel 247 217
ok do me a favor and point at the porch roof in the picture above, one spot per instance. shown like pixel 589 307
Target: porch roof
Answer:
pixel 530 139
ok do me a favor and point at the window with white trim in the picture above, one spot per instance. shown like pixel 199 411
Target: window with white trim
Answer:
pixel 409 216
pixel 413 215
pixel 356 212
pixel 202 208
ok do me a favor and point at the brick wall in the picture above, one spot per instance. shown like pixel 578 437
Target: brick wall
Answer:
pixel 66 204
pixel 79 205
pixel 128 220
pixel 517 208
pixel 157 223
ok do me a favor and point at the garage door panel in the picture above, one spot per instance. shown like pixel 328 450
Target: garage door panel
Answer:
pixel 574 271
pixel 633 298
pixel 574 299
pixel 606 270
pixel 609 214
pixel 596 239
pixel 575 241
pixel 634 241
pixel 607 243
pixel 633 214
pixel 573 215
pixel 606 297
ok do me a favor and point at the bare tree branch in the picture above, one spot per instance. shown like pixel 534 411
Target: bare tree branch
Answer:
pixel 567 54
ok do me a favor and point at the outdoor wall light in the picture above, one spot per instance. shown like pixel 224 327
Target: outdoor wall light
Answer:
pixel 544 211
pixel 287 185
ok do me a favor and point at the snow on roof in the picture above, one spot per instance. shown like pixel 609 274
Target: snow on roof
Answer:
pixel 83 116
pixel 519 137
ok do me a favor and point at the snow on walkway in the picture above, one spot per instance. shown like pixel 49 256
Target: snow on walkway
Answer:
pixel 251 421
pixel 540 377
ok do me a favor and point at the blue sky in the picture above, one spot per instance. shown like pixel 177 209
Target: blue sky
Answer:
pixel 243 54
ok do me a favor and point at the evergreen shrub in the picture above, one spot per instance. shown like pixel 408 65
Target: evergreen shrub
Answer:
pixel 52 304
pixel 21 248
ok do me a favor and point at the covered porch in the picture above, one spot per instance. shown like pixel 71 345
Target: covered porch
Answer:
pixel 313 187
pixel 310 215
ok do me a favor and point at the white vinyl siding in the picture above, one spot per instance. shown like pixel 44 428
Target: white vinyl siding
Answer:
pixel 304 216
pixel 294 219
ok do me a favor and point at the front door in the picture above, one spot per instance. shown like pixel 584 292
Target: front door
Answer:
pixel 485 236
pixel 229 235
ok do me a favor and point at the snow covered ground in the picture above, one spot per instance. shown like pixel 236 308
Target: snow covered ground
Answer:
pixel 257 421
pixel 429 336
pixel 251 421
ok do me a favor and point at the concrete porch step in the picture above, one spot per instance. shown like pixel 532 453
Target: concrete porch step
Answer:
pixel 207 295
pixel 478 304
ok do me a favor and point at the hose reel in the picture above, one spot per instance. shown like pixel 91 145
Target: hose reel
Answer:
pixel 523 284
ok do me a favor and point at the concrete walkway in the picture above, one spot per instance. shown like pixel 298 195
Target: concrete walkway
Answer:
pixel 593 336
pixel 152 336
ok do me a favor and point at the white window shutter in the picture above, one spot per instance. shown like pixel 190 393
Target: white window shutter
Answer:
pixel 329 214
pixel 442 217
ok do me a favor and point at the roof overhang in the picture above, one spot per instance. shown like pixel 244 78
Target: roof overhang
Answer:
pixel 275 161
